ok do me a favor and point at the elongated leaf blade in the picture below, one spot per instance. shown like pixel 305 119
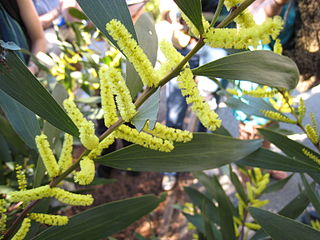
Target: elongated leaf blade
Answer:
pixel 311 193
pixel 101 12
pixel 102 221
pixel 148 41
pixel 277 185
pixel 23 121
pixel 205 151
pixel 240 190
pixel 275 225
pixel 19 83
pixel 263 67
pixel 192 8
pixel 264 158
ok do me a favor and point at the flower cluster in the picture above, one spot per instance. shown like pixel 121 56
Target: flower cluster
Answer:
pixel 277 116
pixel 86 175
pixel 21 177
pixel 312 134
pixel 189 89
pixel 53 220
pixel 193 28
pixel 133 52
pixel 277 48
pixel 301 110
pixel 3 216
pixel 261 92
pixel 311 155
pixel 23 230
pixel 65 159
pixel 105 143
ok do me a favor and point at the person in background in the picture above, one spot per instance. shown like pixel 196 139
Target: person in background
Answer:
pixel 21 25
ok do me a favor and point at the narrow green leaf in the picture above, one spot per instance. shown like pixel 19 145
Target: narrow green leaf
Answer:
pixel 263 67
pixel 204 204
pixel 74 12
pixel 23 121
pixel 193 10
pixel 236 182
pixel 291 148
pixel 19 83
pixel 205 151
pixel 148 111
pixel 264 158
pixel 280 228
pixel 311 193
pixel 148 41
pixel 101 12
pixel 102 221
pixel 278 185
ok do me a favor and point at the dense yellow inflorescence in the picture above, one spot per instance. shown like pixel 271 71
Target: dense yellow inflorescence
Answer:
pixel 133 52
pixel 53 220
pixel 105 143
pixel 277 116
pixel 65 159
pixel 86 175
pixel 189 89
pixel 261 92
pixel 312 134
pixel 47 155
pixel 23 230
pixel 311 155
pixel 193 28
pixel 21 177
pixel 3 216
pixel 72 198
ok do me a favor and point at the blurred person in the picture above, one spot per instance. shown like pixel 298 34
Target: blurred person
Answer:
pixel 21 25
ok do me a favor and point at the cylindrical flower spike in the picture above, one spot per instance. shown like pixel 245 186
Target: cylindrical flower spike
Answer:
pixel 31 194
pixel 311 155
pixel 143 139
pixel 124 101
pixel 277 116
pixel 105 143
pixel 47 155
pixel 72 198
pixel 21 177
pixel 168 133
pixel 23 230
pixel 53 220
pixel 73 112
pixel 277 48
pixel 65 160
pixel 261 92
pixel 301 110
pixel 87 135
pixel 188 87
pixel 133 52
pixel 312 134
pixel 86 175
pixel 3 216
pixel 107 99
pixel 193 29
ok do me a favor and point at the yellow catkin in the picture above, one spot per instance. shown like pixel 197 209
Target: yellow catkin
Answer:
pixel 277 48
pixel 193 29
pixel 21 178
pixel 277 116
pixel 189 89
pixel 245 20
pixel 245 37
pixel 311 155
pixel 249 191
pixel 53 220
pixel 232 91
pixel 172 55
pixel 123 98
pixel 312 134
pixel 107 99
pixel 87 135
pixel 133 52
pixel 73 112
pixel 3 216
pixel 72 198
pixel 260 92
pixel 315 224
pixel 301 110
pixel 47 155
pixel 143 139
pixel 23 230
pixel 31 194
pixel 313 122
pixel 259 203
pixel 253 226
pixel 105 143
pixel 168 133
pixel 86 175
pixel 65 160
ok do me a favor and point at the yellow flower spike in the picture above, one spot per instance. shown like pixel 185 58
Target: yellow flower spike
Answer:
pixel 3 216
pixel 245 20
pixel 23 230
pixel 168 133
pixel 312 134
pixel 313 122
pixel 257 173
pixel 143 139
pixel 31 194
pixel 253 226
pixel 105 143
pixel 133 52
pixel 301 110
pixel 53 220
pixel 277 116
pixel 315 224
pixel 86 175
pixel 232 91
pixel 107 99
pixel 259 203
pixel 277 48
pixel 242 206
pixel 73 112
pixel 311 155
pixel 87 135
pixel 249 191
pixel 47 155
pixel 124 101
pixel 193 29
pixel 65 160
pixel 260 92
pixel 72 198
pixel 21 177
pixel 172 55
pixel 188 87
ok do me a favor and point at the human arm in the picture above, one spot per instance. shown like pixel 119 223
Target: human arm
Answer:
pixel 34 29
